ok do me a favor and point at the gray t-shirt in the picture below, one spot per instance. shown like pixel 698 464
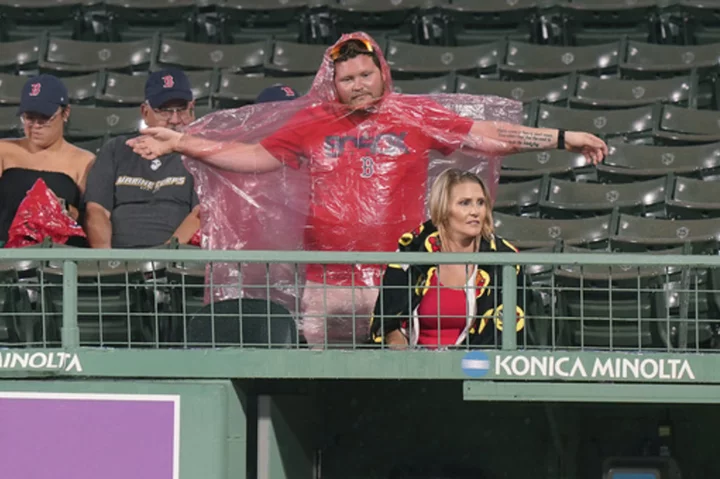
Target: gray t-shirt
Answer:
pixel 147 199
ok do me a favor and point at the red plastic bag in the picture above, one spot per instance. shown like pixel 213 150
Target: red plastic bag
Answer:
pixel 40 216
pixel 196 239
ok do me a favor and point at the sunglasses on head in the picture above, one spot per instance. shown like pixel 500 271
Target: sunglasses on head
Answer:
pixel 363 46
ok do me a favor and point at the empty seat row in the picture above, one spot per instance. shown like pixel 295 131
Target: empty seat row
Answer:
pixel 666 124
pixel 625 163
pixel 502 59
pixel 618 231
pixel 133 304
pixel 658 124
pixel 672 197
pixel 226 89
pixel 572 22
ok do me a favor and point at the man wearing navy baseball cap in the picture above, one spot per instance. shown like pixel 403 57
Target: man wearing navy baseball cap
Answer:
pixel 134 202
pixel 277 92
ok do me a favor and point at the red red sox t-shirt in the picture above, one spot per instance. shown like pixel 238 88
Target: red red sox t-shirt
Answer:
pixel 368 171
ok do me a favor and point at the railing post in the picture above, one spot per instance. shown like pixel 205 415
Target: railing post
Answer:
pixel 70 332
pixel 509 301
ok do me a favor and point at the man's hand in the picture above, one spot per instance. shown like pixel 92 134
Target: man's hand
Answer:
pixel 155 142
pixel 592 147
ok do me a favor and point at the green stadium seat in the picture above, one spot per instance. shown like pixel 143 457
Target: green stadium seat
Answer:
pixel 569 199
pixel 10 125
pixel 21 56
pixel 609 306
pixel 692 198
pixel 519 198
pixel 491 20
pixel 642 234
pixel 629 123
pixel 532 233
pixel 550 90
pixel 409 61
pixel 648 60
pixel 129 20
pixel 10 88
pixel 626 163
pixel 535 164
pixel 71 57
pixel 592 92
pixel 247 322
pixel 590 22
pixel 115 301
pixel 247 57
pixel 23 20
pixel 686 126
pixel 91 122
pixel 525 61
pixel 294 59
pixel 421 86
pixel 20 323
pixel 121 89
pixel 242 19
pixel 353 15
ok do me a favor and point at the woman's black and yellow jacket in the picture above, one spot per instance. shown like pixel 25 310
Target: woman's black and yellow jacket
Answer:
pixel 397 309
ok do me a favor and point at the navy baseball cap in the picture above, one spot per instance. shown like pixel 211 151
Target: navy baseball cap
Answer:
pixel 276 93
pixel 166 85
pixel 43 94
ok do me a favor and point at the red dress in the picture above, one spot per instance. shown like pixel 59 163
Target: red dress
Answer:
pixel 442 315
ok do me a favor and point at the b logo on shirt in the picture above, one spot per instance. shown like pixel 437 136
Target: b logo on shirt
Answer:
pixel 168 81
pixel 35 89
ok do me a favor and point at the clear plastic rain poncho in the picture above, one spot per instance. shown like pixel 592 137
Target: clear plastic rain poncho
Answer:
pixel 351 181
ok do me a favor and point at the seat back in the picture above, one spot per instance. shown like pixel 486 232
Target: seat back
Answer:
pixel 246 322
pixel 593 92
pixel 92 122
pixel 528 61
pixel 70 57
pixel 631 122
pixel 407 60
pixel 248 57
pixel 22 55
pixel 568 198
pixel 527 233
pixel 115 300
pixel 294 59
pixel 550 90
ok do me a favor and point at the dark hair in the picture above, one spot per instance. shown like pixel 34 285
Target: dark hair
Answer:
pixel 353 48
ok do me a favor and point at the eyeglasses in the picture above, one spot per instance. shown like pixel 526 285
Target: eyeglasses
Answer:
pixel 341 48
pixel 42 121
pixel 183 112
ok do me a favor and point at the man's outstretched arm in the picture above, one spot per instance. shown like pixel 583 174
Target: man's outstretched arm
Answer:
pixel 229 156
pixel 519 138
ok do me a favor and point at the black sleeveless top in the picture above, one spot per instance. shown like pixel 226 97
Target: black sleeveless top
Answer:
pixel 16 182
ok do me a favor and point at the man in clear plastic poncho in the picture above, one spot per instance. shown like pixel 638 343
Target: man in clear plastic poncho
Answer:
pixel 347 165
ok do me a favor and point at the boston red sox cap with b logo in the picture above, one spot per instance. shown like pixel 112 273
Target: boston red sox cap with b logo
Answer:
pixel 43 94
pixel 166 85
pixel 277 92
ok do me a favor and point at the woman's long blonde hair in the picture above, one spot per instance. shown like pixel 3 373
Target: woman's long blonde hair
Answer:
pixel 440 201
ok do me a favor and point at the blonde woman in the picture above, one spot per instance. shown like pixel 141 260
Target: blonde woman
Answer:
pixel 448 304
